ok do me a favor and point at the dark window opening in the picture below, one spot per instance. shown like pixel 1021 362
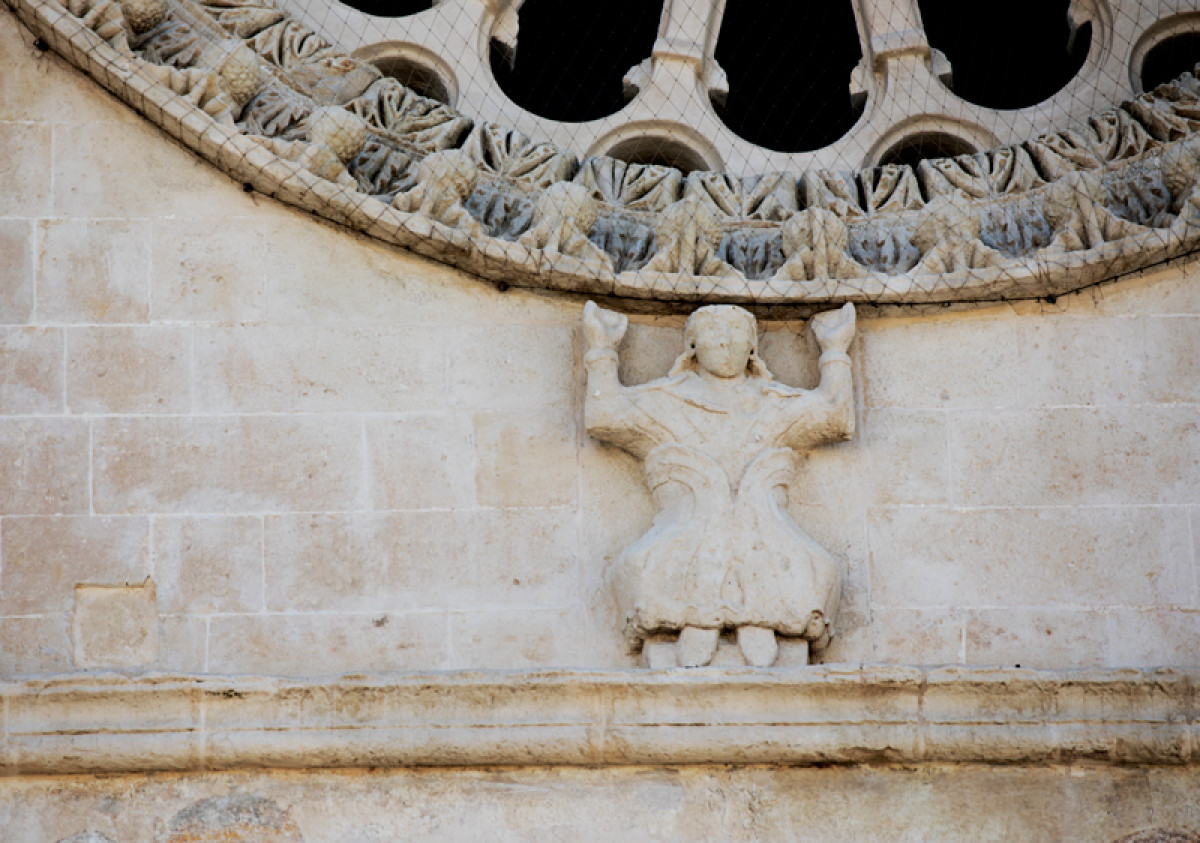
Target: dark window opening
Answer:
pixel 653 150
pixel 1009 55
pixel 1171 59
pixel 918 147
pixel 415 76
pixel 390 8
pixel 788 64
pixel 571 56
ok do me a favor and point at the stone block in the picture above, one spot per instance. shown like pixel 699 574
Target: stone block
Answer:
pixel 1076 455
pixel 43 466
pixel 207 564
pixel 1068 359
pixel 905 635
pixel 1154 637
pixel 938 362
pixel 130 170
pixel 115 625
pixel 909 456
pixel 182 643
pixel 215 271
pixel 93 270
pixel 1173 358
pixel 25 170
pixel 45 557
pixel 321 644
pixel 929 556
pixel 233 464
pixel 510 368
pixel 36 644
pixel 525 459
pixel 16 271
pixel 320 369
pixel 420 461
pixel 513 639
pixel 30 371
pixel 1167 289
pixel 411 560
pixel 129 370
pixel 1055 638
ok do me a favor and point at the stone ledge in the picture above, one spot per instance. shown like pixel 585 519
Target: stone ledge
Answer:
pixel 838 714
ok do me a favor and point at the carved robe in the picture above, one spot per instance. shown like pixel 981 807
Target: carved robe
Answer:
pixel 723 551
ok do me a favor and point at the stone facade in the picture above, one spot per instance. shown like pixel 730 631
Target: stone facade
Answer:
pixel 239 440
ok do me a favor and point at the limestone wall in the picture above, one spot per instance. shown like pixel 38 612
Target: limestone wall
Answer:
pixel 236 439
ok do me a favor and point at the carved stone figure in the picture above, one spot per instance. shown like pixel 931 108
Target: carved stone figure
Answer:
pixel 444 181
pixel 563 215
pixel 815 242
pixel 719 439
pixel 688 235
pixel 948 236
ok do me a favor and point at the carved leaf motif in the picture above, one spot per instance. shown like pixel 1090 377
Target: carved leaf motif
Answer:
pixel 832 191
pixel 425 123
pixel 382 170
pixel 1169 112
pixel 509 154
pixel 892 187
pixel 1138 195
pixel 641 187
pixel 1011 170
pixel 1060 153
pixel 964 173
pixel 771 197
pixel 242 18
pixel 277 112
pixel 1115 136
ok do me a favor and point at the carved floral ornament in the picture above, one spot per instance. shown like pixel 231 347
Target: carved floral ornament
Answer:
pixel 280 108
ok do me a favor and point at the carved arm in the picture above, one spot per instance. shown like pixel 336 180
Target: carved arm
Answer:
pixel 828 413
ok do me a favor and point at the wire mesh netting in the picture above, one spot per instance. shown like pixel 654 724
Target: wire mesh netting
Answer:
pixel 771 152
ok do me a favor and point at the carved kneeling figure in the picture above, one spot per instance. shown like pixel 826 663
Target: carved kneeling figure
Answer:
pixel 719 440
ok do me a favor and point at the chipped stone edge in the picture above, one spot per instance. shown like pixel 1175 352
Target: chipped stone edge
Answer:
pixel 833 714
pixel 510 263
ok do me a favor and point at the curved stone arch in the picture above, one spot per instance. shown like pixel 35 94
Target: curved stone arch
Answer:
pixel 1186 23
pixel 1115 194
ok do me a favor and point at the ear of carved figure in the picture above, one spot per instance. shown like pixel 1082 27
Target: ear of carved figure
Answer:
pixel 946 218
pixel 340 130
pixel 143 15
pixel 237 67
pixel 448 174
pixel 721 339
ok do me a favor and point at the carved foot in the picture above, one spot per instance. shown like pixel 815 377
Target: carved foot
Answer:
pixel 758 645
pixel 697 646
pixel 659 655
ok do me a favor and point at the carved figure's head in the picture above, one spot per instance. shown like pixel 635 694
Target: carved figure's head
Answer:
pixel 451 171
pixel 946 218
pixel 566 201
pixel 237 67
pixel 143 15
pixel 721 339
pixel 342 131
pixel 806 228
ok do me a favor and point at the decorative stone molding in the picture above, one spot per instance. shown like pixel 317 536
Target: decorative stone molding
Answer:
pixel 836 714
pixel 252 91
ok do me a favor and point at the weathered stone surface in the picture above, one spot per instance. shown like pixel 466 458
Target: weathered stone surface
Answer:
pixel 204 565
pixel 404 561
pixel 129 370
pixel 516 374
pixel 94 270
pixel 525 459
pixel 25 190
pixel 517 638
pixel 326 643
pixel 16 270
pixel 115 625
pixel 30 370
pixel 216 271
pixel 909 456
pixel 933 556
pixel 44 557
pixel 35 644
pixel 43 466
pixel 1172 353
pixel 227 464
pixel 420 461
